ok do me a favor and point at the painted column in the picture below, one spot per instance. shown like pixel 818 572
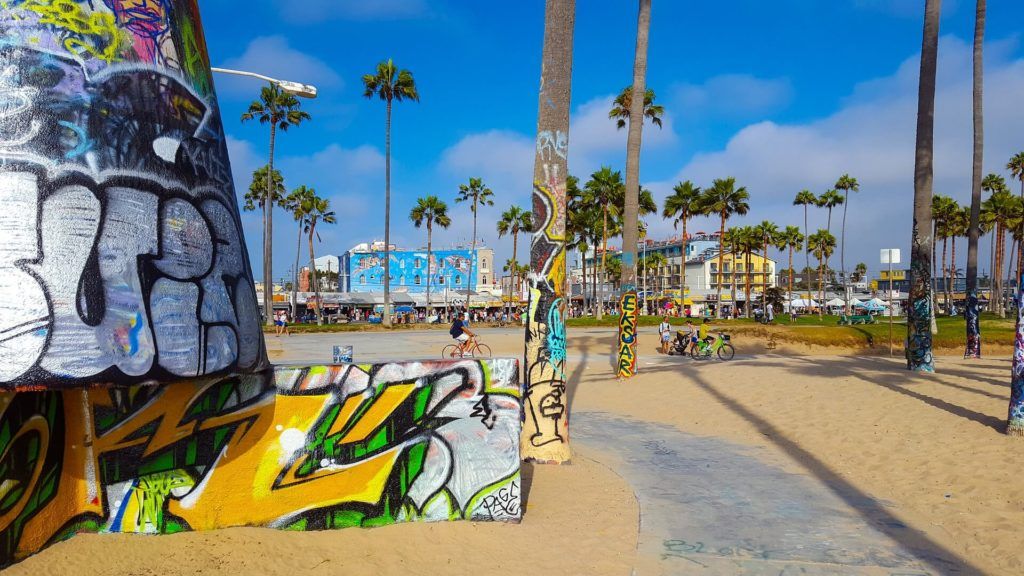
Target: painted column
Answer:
pixel 546 426
pixel 1015 423
pixel 122 257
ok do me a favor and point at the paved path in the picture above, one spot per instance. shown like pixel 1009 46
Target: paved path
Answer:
pixel 711 507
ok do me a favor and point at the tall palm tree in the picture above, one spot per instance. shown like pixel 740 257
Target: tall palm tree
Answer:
pixel 998 206
pixel 750 241
pixel 959 225
pixel 919 337
pixel 513 221
pixel 390 84
pixel 317 210
pixel 295 203
pixel 680 206
pixel 724 199
pixel 822 244
pixel 847 184
pixel 806 198
pixel 622 102
pixel 477 194
pixel 281 110
pixel 766 232
pixel 944 210
pixel 602 190
pixel 971 313
pixel 829 200
pixel 430 211
pixel 1016 168
pixel 790 239
pixel 732 240
pixel 631 216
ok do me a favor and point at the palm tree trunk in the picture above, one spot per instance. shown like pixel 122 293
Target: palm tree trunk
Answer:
pixel 682 267
pixel 952 273
pixel 919 337
pixel 268 235
pixel 583 259
pixel 764 280
pixel 604 252
pixel 822 267
pixel 295 279
pixel 545 430
pixel 807 263
pixel 313 277
pixel 748 277
pixel 1000 251
pixel 721 271
pixel 472 258
pixel 386 321
pixel 973 329
pixel 515 262
pixel 430 237
pixel 842 252
pixel 945 245
pixel 627 336
pixel 790 290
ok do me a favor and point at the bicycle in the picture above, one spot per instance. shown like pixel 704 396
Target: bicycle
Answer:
pixel 474 349
pixel 719 346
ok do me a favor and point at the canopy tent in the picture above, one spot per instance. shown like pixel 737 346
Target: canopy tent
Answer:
pixel 878 302
pixel 835 303
pixel 871 307
pixel 802 303
pixel 856 302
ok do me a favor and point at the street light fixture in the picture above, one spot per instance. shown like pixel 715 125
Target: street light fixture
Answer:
pixel 296 88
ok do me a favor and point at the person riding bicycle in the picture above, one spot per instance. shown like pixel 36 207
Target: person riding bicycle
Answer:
pixel 687 336
pixel 704 338
pixel 461 333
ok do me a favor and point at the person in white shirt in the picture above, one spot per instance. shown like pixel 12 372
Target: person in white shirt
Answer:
pixel 665 330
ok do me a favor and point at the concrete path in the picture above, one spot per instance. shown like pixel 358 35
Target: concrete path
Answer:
pixel 711 507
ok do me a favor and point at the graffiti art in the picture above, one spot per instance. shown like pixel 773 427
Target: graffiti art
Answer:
pixel 628 318
pixel 305 448
pixel 124 260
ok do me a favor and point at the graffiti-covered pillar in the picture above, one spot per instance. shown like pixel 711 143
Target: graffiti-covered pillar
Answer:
pixel 122 258
pixel 546 426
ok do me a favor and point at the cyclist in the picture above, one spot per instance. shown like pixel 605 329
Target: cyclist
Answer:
pixel 461 333
pixel 704 338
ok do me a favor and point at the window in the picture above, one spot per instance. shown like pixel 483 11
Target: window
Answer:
pixel 362 278
pixel 739 267
pixel 416 264
pixel 484 279
pixel 417 278
pixel 484 266
pixel 440 279
pixel 458 280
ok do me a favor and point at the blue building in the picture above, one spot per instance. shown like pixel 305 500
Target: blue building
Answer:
pixel 453 269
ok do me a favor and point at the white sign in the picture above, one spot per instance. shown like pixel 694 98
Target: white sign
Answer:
pixel 890 255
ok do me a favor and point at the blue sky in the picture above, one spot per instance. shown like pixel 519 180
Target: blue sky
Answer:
pixel 783 95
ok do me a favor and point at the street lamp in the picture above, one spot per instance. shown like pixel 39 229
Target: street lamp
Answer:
pixel 298 89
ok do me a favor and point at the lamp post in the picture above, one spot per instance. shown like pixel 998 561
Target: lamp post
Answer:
pixel 298 89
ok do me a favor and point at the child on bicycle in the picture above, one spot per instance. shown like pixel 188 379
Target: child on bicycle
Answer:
pixel 703 335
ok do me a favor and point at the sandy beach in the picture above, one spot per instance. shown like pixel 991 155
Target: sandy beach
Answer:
pixel 925 453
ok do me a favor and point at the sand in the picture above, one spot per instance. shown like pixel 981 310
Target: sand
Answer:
pixel 932 446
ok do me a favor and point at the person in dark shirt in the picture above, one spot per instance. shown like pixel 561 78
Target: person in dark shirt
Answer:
pixel 461 333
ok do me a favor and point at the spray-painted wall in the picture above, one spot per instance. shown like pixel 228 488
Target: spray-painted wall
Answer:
pixel 308 448
pixel 122 258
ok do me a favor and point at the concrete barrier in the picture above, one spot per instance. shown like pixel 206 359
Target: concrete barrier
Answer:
pixel 300 448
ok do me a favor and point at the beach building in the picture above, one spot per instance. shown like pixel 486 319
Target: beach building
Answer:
pixel 453 269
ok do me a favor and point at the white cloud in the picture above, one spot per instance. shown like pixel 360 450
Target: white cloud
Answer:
pixel 273 56
pixel 733 96
pixel 873 138
pixel 312 11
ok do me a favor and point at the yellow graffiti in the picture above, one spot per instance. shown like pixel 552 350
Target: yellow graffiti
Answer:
pixel 627 335
pixel 99 27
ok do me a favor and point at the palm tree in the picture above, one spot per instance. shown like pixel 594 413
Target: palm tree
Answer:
pixel 653 262
pixel 998 206
pixel 316 210
pixel 680 206
pixel 958 226
pixel 750 241
pixel 622 102
pixel 766 232
pixel 822 244
pixel 847 184
pixel 295 203
pixel 724 200
pixel 790 239
pixel 806 198
pixel 944 210
pixel 1016 165
pixel 603 188
pixel 477 194
pixel 390 84
pixel 430 211
pixel 513 221
pixel 829 200
pixel 281 110
pixel 973 326
pixel 631 216
pixel 919 338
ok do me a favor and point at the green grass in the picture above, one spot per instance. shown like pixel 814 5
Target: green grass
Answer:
pixel 826 331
